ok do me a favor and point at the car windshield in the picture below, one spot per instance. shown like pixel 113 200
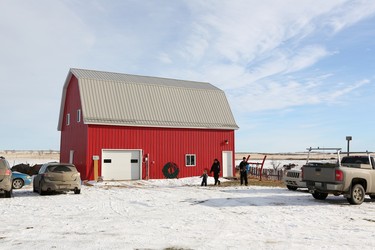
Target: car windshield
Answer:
pixel 61 168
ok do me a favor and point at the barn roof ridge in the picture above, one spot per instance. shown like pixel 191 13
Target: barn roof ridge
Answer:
pixel 152 80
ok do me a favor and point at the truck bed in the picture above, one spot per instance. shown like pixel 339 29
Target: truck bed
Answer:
pixel 321 172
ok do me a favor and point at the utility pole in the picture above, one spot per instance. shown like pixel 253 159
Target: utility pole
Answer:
pixel 348 138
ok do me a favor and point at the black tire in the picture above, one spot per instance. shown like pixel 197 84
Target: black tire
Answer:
pixel 77 191
pixel 372 196
pixel 17 183
pixel 357 195
pixel 319 196
pixel 40 190
pixel 8 194
pixel 293 188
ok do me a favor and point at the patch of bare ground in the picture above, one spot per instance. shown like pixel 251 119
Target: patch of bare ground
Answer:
pixel 254 182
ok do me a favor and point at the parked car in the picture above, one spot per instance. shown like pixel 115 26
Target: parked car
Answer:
pixel 293 179
pixel 56 176
pixel 5 178
pixel 20 179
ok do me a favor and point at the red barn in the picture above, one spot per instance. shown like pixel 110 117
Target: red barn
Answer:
pixel 129 127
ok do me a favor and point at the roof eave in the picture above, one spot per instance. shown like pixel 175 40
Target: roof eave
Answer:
pixel 162 126
pixel 63 98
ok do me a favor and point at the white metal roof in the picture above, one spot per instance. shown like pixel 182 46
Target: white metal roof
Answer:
pixel 131 100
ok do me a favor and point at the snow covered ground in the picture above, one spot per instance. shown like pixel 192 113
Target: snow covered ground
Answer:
pixel 180 214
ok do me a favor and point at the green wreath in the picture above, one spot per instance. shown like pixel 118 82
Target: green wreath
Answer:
pixel 170 170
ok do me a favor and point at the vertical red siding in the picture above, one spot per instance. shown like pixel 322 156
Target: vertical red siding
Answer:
pixel 74 136
pixel 163 145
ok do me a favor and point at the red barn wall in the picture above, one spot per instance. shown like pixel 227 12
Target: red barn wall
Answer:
pixel 74 135
pixel 162 144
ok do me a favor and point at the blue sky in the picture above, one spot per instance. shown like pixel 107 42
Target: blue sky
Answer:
pixel 296 73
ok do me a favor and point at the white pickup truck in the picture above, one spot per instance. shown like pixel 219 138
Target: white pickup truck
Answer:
pixel 352 176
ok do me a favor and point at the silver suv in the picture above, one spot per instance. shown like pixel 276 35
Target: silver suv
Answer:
pixel 57 177
pixel 5 178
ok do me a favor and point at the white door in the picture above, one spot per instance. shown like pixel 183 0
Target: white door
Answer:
pixel 227 164
pixel 71 156
pixel 121 164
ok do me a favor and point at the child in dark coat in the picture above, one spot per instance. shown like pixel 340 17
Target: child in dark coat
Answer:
pixel 204 176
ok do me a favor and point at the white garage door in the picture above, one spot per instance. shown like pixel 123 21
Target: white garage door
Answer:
pixel 121 164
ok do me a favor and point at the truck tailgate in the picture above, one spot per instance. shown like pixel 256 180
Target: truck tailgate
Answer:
pixel 319 172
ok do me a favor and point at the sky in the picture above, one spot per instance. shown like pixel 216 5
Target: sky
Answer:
pixel 297 73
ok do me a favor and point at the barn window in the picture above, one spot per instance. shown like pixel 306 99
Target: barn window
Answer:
pixel 190 160
pixel 78 115
pixel 67 119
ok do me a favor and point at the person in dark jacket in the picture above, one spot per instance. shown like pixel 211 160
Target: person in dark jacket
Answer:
pixel 204 176
pixel 216 170
pixel 243 171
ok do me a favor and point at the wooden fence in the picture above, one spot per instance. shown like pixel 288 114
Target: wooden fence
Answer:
pixel 267 174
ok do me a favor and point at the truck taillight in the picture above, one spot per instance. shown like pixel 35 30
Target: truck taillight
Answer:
pixel 8 172
pixel 339 175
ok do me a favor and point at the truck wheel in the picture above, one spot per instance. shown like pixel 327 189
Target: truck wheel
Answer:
pixel 291 187
pixel 319 196
pixel 357 195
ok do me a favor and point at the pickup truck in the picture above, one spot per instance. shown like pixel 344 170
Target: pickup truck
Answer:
pixel 353 177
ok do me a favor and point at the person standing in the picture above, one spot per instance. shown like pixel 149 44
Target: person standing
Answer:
pixel 204 176
pixel 243 171
pixel 215 168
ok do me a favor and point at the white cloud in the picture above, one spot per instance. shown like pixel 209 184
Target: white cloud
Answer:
pixel 265 54
pixel 347 89
pixel 164 58
pixel 350 13
pixel 40 41
pixel 283 95
pixel 242 30
pixel 305 58
pixel 41 29
pixel 251 49
pixel 197 44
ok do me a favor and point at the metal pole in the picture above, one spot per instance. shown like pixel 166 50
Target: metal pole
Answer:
pixel 347 154
pixel 348 138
